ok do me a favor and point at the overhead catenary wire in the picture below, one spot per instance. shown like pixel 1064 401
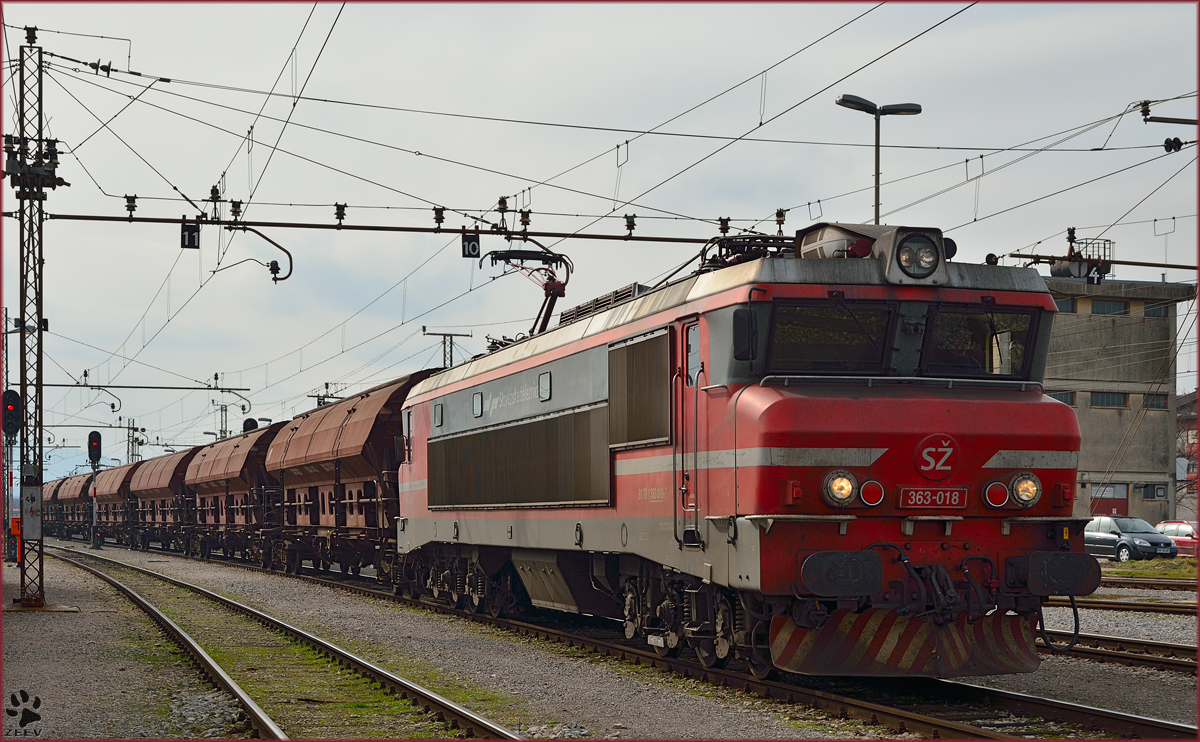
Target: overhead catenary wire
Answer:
pixel 1061 191
pixel 292 110
pixel 654 131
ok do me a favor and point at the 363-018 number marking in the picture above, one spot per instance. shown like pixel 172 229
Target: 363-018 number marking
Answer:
pixel 945 497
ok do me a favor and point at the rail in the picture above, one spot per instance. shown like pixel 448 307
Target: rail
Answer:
pixel 1132 652
pixel 1179 608
pixel 1149 583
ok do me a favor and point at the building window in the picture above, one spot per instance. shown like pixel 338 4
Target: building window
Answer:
pixel 1110 492
pixel 1158 311
pixel 1109 399
pixel 1154 401
pixel 1150 491
pixel 544 386
pixel 477 404
pixel 1191 437
pixel 1066 306
pixel 1105 306
pixel 437 416
pixel 1064 397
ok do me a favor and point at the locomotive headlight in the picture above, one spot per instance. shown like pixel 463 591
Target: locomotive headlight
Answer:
pixel 1026 489
pixel 917 255
pixel 839 488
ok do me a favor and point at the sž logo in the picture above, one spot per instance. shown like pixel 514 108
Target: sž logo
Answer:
pixel 936 456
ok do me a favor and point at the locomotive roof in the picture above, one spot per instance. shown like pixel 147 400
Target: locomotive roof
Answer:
pixel 779 269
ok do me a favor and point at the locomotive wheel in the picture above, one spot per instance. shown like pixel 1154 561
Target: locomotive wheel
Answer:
pixel 1124 554
pixel 760 666
pixel 673 645
pixel 706 652
pixel 759 654
pixel 633 620
pixel 723 644
pixel 474 602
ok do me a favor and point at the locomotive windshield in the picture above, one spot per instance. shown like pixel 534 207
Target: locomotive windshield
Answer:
pixel 827 339
pixel 963 342
pixel 902 339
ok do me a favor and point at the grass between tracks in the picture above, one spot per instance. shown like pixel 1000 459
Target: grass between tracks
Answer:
pixel 1181 568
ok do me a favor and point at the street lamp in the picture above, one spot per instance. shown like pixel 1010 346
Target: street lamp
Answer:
pixel 866 106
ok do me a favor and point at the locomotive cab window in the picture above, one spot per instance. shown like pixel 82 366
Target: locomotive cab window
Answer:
pixel 544 386
pixel 830 339
pixel 972 342
pixel 692 334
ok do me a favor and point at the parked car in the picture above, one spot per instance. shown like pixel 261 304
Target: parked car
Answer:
pixel 1183 533
pixel 1126 538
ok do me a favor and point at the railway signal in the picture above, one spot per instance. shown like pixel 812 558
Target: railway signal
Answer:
pixel 93 447
pixel 12 413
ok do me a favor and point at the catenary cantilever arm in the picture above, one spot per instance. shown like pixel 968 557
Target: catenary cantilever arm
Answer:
pixel 274 278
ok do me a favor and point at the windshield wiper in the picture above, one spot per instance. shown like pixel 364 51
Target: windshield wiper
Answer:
pixel 842 303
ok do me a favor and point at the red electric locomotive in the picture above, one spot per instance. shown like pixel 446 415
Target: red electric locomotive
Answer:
pixel 830 455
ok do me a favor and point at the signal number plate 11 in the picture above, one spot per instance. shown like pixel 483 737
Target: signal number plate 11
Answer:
pixel 944 497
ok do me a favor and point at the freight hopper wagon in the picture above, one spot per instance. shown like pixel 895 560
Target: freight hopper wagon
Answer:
pixel 164 509
pixel 117 509
pixel 238 506
pixel 71 511
pixel 335 467
pixel 830 455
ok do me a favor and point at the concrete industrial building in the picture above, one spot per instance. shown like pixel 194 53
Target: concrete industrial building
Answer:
pixel 1112 358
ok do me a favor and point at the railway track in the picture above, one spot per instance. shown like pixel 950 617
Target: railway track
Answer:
pixel 1178 608
pixel 315 697
pixel 1146 583
pixel 932 709
pixel 1132 652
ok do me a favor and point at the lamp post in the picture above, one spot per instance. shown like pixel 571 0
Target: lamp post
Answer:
pixel 866 106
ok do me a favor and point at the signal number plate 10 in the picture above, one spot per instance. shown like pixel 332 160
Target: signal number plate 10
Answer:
pixel 943 497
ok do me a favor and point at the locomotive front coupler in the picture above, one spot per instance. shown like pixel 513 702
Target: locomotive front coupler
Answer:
pixel 921 598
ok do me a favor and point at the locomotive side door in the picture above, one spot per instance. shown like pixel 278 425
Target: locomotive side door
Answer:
pixel 691 477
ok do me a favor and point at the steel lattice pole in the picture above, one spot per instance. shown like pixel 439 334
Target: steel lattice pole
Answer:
pixel 31 195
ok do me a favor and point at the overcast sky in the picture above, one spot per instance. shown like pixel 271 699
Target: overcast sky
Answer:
pixel 536 103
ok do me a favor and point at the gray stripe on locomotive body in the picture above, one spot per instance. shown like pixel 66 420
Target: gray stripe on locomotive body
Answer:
pixel 844 457
pixel 734 565
pixel 1033 460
